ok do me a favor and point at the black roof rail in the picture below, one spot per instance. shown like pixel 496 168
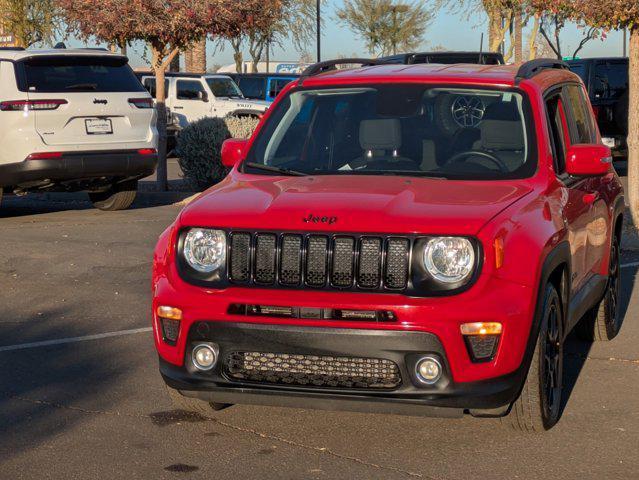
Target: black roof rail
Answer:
pixel 533 67
pixel 12 49
pixel 322 67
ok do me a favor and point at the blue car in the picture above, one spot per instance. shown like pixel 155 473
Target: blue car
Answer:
pixel 262 86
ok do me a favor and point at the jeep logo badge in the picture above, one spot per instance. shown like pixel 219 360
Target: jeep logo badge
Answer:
pixel 316 219
pixel 99 101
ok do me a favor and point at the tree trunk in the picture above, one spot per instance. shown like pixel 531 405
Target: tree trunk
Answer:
pixel 160 65
pixel 198 56
pixel 239 61
pixel 494 31
pixel 532 54
pixel 633 127
pixel 519 27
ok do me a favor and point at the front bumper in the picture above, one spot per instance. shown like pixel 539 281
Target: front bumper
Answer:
pixel 78 166
pixel 404 348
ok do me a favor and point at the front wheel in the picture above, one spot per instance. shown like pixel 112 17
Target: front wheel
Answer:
pixel 602 323
pixel 539 405
pixel 118 197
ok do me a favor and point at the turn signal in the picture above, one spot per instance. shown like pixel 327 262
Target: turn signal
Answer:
pixel 171 313
pixel 499 252
pixel 481 328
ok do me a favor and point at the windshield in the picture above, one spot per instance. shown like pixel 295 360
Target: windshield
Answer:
pixel 223 87
pixel 413 130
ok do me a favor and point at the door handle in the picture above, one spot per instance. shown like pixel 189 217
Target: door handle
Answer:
pixel 178 108
pixel 590 198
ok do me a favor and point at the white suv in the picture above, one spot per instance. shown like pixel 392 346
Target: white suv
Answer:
pixel 74 120
pixel 191 97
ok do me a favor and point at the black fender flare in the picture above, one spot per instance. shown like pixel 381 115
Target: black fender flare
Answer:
pixel 559 255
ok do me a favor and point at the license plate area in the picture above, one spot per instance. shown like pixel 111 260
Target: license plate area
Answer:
pixel 98 126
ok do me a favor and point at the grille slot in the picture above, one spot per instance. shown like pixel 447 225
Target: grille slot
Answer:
pixel 291 260
pixel 396 275
pixel 316 261
pixel 342 265
pixel 370 252
pixel 313 370
pixel 240 267
pixel 265 250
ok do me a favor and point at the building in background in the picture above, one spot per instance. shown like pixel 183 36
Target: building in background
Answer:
pixel 7 39
pixel 272 67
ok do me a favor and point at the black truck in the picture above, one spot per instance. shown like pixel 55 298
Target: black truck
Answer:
pixel 607 82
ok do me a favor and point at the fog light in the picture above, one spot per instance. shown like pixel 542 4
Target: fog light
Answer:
pixel 428 370
pixel 204 356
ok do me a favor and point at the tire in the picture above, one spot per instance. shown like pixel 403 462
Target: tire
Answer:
pixel 602 323
pixel 119 197
pixel 194 405
pixel 539 405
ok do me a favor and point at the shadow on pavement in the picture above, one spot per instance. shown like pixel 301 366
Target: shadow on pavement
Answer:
pixel 36 384
pixel 40 204
pixel 577 350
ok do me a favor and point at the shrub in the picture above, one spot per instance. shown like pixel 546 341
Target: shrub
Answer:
pixel 199 146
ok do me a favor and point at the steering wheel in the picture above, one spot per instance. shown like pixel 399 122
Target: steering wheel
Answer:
pixel 463 156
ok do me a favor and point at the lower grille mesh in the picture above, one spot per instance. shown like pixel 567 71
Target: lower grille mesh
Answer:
pixel 313 370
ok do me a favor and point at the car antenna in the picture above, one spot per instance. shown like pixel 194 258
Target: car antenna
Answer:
pixel 481 49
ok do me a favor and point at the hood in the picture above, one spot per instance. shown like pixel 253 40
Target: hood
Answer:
pixel 371 204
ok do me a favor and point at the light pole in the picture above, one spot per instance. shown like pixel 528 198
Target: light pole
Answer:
pixel 319 33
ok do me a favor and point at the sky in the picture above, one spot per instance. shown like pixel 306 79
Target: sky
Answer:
pixel 449 30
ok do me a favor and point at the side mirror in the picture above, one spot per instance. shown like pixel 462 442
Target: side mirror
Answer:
pixel 202 96
pixel 233 151
pixel 588 160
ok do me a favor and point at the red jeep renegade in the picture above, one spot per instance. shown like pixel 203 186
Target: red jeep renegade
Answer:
pixel 411 239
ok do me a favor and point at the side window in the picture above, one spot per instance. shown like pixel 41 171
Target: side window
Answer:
pixel 149 84
pixel 253 87
pixel 276 85
pixel 611 80
pixel 560 137
pixel 582 124
pixel 190 90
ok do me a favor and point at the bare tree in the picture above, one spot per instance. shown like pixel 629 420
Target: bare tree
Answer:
pixel 386 26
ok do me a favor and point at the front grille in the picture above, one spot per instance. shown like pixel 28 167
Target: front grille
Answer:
pixel 319 261
pixel 313 370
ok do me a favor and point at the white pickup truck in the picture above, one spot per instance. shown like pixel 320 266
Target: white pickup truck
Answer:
pixel 191 97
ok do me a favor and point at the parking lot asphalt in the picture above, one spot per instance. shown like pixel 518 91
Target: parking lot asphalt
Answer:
pixel 93 406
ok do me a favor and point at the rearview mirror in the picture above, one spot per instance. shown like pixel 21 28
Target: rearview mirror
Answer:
pixel 588 160
pixel 233 151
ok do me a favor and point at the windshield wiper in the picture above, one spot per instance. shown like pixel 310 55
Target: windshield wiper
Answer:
pixel 82 86
pixel 271 168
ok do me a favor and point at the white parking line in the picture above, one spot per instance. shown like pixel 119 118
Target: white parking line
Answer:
pixel 61 341
pixel 629 265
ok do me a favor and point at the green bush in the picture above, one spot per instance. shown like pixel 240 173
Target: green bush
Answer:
pixel 199 147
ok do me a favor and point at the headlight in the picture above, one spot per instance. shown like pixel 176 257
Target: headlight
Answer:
pixel 449 259
pixel 205 249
